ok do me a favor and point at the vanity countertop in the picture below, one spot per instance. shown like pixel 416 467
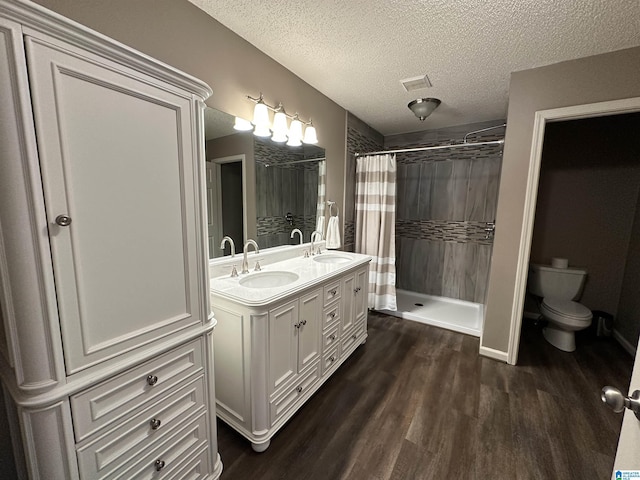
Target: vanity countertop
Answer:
pixel 309 271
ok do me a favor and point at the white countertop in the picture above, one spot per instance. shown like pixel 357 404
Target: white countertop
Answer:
pixel 309 271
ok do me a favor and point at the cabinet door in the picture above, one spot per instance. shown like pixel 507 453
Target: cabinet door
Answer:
pixel 361 293
pixel 116 156
pixel 283 344
pixel 309 329
pixel 348 302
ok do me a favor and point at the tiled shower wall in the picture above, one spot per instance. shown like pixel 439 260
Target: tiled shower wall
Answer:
pixel 360 138
pixel 444 199
pixel 281 188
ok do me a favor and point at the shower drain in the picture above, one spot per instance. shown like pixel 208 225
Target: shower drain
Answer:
pixel 419 304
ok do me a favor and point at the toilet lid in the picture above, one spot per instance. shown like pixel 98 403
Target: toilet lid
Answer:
pixel 567 308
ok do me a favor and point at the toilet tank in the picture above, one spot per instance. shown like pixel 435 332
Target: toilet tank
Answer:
pixel 563 283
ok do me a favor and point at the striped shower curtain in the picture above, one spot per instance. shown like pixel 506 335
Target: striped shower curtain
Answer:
pixel 376 226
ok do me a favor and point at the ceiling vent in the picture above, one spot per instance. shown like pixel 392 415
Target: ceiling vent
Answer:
pixel 416 83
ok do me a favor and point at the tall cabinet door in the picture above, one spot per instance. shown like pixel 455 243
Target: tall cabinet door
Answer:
pixel 309 329
pixel 117 164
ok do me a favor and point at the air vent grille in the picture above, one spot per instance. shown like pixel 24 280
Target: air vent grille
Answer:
pixel 416 83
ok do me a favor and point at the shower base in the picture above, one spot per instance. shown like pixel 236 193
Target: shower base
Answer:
pixel 457 315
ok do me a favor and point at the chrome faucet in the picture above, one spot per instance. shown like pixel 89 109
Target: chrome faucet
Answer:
pixel 314 234
pixel 245 263
pixel 294 231
pixel 231 244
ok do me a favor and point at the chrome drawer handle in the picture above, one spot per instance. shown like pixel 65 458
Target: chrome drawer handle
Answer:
pixel 299 389
pixel 332 336
pixel 159 464
pixel 63 220
pixel 333 292
pixel 155 423
pixel 152 380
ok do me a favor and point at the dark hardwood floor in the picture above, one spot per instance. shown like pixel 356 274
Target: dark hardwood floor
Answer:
pixel 417 402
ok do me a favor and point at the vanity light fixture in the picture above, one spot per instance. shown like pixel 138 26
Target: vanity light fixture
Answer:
pixel 279 132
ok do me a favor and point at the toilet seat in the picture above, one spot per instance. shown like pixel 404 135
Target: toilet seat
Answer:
pixel 566 312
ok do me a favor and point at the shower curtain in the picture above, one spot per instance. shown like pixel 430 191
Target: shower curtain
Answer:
pixel 376 226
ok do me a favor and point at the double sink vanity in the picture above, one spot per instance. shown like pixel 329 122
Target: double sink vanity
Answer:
pixel 283 331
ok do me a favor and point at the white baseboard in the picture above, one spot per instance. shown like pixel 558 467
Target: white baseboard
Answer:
pixel 625 344
pixel 495 354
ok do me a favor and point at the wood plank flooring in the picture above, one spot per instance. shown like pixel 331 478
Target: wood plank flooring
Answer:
pixel 417 402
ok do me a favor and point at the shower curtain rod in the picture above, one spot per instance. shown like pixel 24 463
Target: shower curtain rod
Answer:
pixel 436 147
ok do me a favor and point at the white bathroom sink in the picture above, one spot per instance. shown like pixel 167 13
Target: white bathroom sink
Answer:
pixel 331 258
pixel 269 279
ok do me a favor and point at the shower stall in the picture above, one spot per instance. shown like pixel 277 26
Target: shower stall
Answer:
pixel 445 213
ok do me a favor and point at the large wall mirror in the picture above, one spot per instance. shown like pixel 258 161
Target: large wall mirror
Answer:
pixel 260 189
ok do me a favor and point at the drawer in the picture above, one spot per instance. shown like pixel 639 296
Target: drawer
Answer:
pixel 332 291
pixel 352 336
pixel 165 457
pixel 198 467
pixel 330 359
pixel 109 452
pixel 288 399
pixel 330 338
pixel 331 315
pixel 108 401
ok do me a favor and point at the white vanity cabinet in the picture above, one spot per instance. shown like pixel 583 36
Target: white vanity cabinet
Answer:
pixel 271 357
pixel 105 333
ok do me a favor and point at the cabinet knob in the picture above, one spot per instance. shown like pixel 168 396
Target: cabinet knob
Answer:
pixel 159 464
pixel 152 380
pixel 332 315
pixel 303 322
pixel 299 389
pixel 297 325
pixel 63 220
pixel 332 336
pixel 155 423
pixel 333 292
pixel 354 336
pixel 332 359
pixel 356 290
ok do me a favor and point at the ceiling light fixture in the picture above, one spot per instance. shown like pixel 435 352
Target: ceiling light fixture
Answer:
pixel 262 127
pixel 423 107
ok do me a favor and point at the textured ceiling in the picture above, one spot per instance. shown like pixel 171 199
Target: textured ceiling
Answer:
pixel 356 52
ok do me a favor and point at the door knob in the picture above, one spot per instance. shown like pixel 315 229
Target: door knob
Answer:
pixel 618 402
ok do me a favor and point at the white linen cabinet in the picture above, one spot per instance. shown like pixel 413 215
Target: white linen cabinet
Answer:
pixel 106 349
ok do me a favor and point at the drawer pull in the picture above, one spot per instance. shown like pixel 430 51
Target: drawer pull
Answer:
pixel 299 389
pixel 332 336
pixel 356 290
pixel 303 322
pixel 354 336
pixel 333 292
pixel 155 423
pixel 332 315
pixel 152 380
pixel 63 220
pixel 159 464
pixel 332 359
pixel 297 325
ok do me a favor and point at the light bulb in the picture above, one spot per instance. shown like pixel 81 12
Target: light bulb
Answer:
pixel 262 131
pixel 280 130
pixel 295 133
pixel 310 136
pixel 261 115
pixel 242 125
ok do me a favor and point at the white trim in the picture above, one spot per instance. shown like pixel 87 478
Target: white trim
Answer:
pixel 624 343
pixel 615 107
pixel 492 353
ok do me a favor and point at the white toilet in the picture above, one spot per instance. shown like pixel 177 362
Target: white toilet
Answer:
pixel 558 287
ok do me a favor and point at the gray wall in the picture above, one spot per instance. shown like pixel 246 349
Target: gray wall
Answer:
pixel 592 79
pixel 587 194
pixel 444 199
